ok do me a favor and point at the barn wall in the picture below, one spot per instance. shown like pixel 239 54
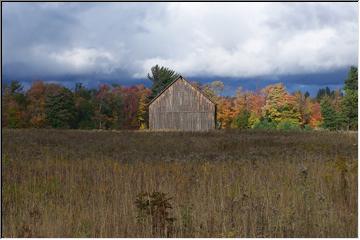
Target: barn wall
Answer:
pixel 182 107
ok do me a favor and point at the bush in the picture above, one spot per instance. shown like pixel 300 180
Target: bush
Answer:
pixel 242 120
pixel 307 127
pixel 155 206
pixel 288 125
pixel 253 120
pixel 265 124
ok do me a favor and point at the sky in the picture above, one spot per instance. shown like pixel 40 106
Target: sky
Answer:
pixel 306 46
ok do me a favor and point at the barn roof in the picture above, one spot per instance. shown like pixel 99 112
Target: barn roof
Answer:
pixel 180 77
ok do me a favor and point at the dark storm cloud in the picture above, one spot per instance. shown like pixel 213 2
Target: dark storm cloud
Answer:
pixel 119 42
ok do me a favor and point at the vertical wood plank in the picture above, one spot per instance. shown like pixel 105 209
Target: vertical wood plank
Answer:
pixel 182 107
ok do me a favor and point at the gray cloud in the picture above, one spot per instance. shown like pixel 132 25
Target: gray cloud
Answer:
pixel 197 39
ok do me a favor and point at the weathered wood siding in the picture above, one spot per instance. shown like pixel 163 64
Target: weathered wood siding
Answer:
pixel 182 107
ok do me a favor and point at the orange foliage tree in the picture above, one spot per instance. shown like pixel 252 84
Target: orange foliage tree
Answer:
pixel 225 112
pixel 315 117
pixel 36 108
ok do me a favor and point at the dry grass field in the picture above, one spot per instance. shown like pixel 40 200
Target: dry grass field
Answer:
pixel 72 183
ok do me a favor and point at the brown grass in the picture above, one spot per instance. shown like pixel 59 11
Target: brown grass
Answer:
pixel 221 184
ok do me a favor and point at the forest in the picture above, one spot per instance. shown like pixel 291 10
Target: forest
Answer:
pixel 51 105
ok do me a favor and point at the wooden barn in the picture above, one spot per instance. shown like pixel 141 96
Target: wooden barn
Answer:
pixel 181 106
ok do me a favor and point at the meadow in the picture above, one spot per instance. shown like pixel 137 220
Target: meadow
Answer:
pixel 73 183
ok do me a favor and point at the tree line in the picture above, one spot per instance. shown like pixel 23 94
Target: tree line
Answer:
pixel 50 105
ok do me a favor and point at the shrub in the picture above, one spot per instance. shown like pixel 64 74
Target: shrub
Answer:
pixel 155 206
pixel 253 120
pixel 265 124
pixel 288 125
pixel 307 127
pixel 242 120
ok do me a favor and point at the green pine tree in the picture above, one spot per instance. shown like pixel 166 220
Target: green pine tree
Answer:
pixel 242 120
pixel 329 114
pixel 117 107
pixel 350 100
pixel 160 77
pixel 60 109
pixel 84 107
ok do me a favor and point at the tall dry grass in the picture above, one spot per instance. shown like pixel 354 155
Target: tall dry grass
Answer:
pixel 221 184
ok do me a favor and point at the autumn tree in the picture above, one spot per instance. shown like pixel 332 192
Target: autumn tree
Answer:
pixel 103 115
pixel 213 90
pixel 14 114
pixel 142 112
pixel 240 101
pixel 132 96
pixel 225 112
pixel 224 105
pixel 303 104
pixel 274 100
pixel 280 106
pixel 241 110
pixel 256 102
pixel 315 115
pixel 36 96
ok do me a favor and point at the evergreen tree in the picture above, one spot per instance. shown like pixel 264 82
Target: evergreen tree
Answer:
pixel 329 114
pixel 242 120
pixel 117 106
pixel 84 107
pixel 307 94
pixel 322 92
pixel 60 109
pixel 350 100
pixel 160 77
pixel 352 81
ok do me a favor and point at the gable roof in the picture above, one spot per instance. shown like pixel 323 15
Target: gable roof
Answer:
pixel 180 77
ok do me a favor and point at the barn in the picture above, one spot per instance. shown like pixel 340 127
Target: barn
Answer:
pixel 181 106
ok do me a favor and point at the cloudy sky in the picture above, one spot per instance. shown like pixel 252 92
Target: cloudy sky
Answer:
pixel 304 45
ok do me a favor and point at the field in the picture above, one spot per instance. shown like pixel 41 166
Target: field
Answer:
pixel 72 183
